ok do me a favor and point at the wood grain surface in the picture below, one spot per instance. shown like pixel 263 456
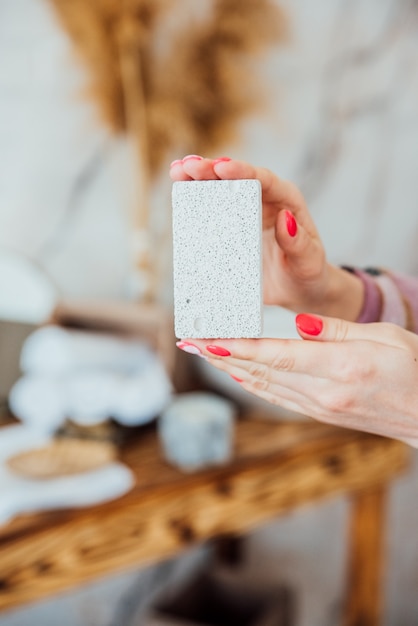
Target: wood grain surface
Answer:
pixel 277 467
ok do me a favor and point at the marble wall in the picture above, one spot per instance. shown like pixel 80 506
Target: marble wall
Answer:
pixel 344 123
pixel 341 121
pixel 64 180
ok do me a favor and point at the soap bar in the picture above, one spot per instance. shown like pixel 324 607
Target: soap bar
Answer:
pixel 196 430
pixel 217 258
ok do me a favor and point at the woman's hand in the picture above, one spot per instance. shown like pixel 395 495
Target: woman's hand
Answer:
pixel 360 376
pixel 296 273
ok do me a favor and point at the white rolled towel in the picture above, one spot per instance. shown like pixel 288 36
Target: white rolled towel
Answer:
pixel 90 396
pixel 38 402
pixel 131 399
pixel 54 351
pixel 143 395
pixel 88 377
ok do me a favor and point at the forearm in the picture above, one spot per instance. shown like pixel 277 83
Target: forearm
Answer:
pixel 345 295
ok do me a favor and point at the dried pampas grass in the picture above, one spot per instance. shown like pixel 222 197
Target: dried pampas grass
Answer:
pixel 177 77
pixel 176 88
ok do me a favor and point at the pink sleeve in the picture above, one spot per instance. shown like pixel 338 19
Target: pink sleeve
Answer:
pixel 408 287
pixel 389 297
pixel 372 303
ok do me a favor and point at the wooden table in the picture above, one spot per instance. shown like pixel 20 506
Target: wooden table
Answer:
pixel 277 467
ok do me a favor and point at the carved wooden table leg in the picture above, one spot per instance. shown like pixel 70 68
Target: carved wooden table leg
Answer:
pixel 228 549
pixel 366 558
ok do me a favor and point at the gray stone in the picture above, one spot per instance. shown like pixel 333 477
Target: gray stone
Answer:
pixel 196 430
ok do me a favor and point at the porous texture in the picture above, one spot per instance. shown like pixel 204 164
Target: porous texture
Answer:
pixel 217 255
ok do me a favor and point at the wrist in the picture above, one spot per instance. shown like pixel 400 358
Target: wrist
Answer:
pixel 344 297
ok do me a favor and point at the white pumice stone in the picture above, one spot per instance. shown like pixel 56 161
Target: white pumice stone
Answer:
pixel 217 258
pixel 197 430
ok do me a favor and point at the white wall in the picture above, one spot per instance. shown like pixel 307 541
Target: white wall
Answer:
pixel 63 180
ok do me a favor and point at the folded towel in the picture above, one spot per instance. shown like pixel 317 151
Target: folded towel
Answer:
pixel 54 351
pixel 91 396
pixel 143 396
pixel 39 402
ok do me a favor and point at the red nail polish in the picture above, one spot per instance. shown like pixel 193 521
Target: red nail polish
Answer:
pixel 292 227
pixel 175 162
pixel 221 160
pixel 218 350
pixel 239 380
pixel 309 324
pixel 188 347
pixel 192 157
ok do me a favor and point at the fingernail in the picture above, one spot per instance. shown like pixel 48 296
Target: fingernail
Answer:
pixel 309 324
pixel 192 157
pixel 220 160
pixel 239 380
pixel 175 162
pixel 292 227
pixel 218 350
pixel 189 347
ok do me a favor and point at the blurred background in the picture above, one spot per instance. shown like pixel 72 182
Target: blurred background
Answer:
pixel 96 100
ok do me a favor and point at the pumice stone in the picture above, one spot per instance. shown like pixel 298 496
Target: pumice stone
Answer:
pixel 217 258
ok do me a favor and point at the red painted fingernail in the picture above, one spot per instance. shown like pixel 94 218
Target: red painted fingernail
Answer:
pixel 188 347
pixel 192 157
pixel 239 380
pixel 292 227
pixel 218 350
pixel 309 324
pixel 176 162
pixel 221 160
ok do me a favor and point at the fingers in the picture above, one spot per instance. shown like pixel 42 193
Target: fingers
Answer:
pixel 278 194
pixel 281 396
pixel 192 167
pixel 361 376
pixel 335 347
pixel 292 244
pixel 274 188
pixel 195 167
pixel 271 359
pixel 331 329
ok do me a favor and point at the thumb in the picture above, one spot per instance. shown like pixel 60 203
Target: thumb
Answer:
pixel 323 328
pixel 319 328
